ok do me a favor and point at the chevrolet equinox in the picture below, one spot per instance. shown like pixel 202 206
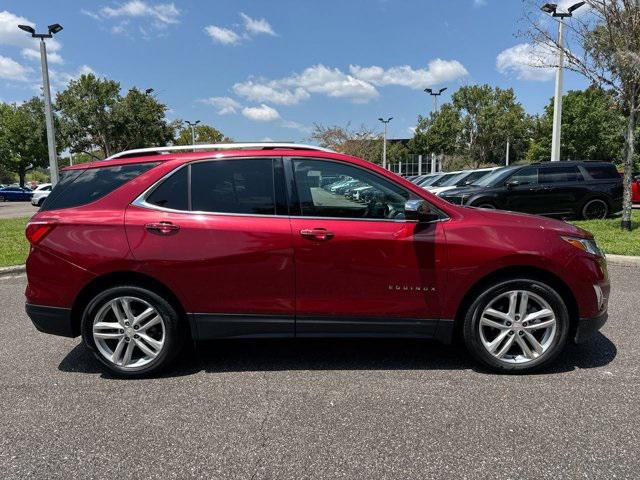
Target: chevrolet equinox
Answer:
pixel 153 247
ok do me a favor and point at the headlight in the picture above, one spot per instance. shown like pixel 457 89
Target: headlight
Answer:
pixel 588 245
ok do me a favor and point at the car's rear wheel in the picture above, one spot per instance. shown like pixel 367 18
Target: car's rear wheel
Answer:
pixel 2 199
pixel 131 330
pixel 516 326
pixel 595 209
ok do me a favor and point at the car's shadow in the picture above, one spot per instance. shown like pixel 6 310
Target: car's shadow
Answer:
pixel 340 354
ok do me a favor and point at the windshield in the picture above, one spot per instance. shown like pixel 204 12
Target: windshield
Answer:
pixel 494 178
pixel 440 181
pixel 455 180
pixel 430 179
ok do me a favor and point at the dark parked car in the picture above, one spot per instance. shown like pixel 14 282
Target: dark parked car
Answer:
pixel 15 194
pixel 140 252
pixel 566 189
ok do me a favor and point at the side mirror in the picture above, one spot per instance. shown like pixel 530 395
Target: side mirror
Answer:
pixel 512 183
pixel 417 211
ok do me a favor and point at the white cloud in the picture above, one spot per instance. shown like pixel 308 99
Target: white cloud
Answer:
pixel 295 126
pixel 479 3
pixel 527 62
pixel 60 79
pixel 33 54
pixel 222 35
pixel 298 87
pixel 271 91
pixel 12 70
pixel 439 71
pixel 263 113
pixel 224 105
pixel 162 13
pixel 256 26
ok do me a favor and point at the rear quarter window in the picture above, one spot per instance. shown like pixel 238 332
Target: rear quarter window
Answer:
pixel 80 187
pixel 602 172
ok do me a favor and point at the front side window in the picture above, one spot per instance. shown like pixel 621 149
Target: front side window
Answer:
pixel 234 186
pixel 337 190
pixel 560 174
pixel 526 176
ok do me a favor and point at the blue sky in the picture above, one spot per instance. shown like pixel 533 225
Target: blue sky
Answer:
pixel 269 69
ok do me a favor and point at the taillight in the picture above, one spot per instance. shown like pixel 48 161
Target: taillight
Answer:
pixel 36 231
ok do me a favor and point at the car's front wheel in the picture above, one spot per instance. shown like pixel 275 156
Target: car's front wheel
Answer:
pixel 132 331
pixel 516 326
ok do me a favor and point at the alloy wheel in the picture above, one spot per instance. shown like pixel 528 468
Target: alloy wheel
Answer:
pixel 595 210
pixel 128 332
pixel 517 326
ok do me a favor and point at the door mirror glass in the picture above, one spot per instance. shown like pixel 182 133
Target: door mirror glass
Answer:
pixel 418 211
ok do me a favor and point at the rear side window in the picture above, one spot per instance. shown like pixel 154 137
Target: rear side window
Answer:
pixel 602 172
pixel 234 186
pixel 79 187
pixel 173 192
pixel 560 174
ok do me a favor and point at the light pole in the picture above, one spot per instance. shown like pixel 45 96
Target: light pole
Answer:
pixel 193 130
pixel 435 94
pixel 552 9
pixel 384 141
pixel 48 112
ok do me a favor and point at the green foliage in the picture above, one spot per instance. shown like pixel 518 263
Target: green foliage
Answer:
pixel 23 138
pixel 204 134
pixel 613 240
pixel 475 126
pixel 14 246
pixel 97 121
pixel 592 128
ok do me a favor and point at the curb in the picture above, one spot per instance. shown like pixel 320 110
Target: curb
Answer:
pixel 16 269
pixel 624 260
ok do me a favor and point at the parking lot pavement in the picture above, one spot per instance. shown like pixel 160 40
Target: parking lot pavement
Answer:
pixel 321 409
pixel 16 209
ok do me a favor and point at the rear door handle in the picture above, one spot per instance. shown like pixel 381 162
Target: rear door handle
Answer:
pixel 317 233
pixel 162 228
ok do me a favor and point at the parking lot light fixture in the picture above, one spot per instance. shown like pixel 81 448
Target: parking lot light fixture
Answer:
pixel 46 90
pixel 552 9
pixel 193 130
pixel 435 94
pixel 384 141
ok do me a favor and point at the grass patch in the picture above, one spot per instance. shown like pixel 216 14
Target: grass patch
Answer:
pixel 613 240
pixel 14 246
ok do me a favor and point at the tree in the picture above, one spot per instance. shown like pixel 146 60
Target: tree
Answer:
pixel 608 36
pixel 204 134
pixel 96 120
pixel 362 142
pixel 476 125
pixel 23 140
pixel 592 128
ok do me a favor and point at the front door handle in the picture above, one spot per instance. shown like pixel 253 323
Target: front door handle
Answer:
pixel 317 233
pixel 162 228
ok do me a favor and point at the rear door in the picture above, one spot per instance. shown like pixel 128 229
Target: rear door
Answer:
pixel 564 188
pixel 361 269
pixel 218 233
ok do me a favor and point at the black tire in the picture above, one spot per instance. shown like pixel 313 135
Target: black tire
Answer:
pixel 595 209
pixel 174 332
pixel 471 327
pixel 486 205
pixel 2 199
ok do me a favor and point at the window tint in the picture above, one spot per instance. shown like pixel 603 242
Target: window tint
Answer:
pixel 560 174
pixel 600 172
pixel 474 177
pixel 333 189
pixel 234 186
pixel 173 192
pixel 526 176
pixel 79 187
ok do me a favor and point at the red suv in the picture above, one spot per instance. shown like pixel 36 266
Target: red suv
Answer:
pixel 151 247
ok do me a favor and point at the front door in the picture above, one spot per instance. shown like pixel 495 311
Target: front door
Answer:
pixel 224 249
pixel 361 269
pixel 524 193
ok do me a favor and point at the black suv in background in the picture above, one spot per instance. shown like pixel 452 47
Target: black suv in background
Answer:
pixel 566 189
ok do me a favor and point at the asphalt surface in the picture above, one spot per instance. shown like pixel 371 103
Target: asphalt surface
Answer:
pixel 16 209
pixel 321 409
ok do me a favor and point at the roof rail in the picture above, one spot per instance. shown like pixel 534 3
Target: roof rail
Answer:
pixel 216 146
